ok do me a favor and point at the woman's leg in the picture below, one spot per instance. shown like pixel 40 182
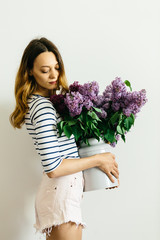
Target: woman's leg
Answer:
pixel 66 231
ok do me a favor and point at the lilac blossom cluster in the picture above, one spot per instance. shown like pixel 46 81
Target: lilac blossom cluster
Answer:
pixel 58 102
pixel 116 97
pixel 80 96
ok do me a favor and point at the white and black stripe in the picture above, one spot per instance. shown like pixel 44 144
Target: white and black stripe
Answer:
pixel 41 123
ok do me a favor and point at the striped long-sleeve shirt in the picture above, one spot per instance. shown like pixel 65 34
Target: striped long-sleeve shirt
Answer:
pixel 41 122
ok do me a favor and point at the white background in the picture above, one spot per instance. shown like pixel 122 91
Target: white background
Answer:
pixel 98 40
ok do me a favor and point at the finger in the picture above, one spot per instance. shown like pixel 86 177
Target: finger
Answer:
pixel 116 170
pixel 116 164
pixel 118 183
pixel 114 173
pixel 115 186
pixel 110 177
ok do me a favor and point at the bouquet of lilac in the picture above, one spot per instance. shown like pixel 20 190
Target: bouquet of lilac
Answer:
pixel 109 116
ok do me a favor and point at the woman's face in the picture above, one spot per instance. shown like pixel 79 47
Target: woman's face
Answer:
pixel 46 72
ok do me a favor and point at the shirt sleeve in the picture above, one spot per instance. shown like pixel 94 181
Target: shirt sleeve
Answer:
pixel 44 119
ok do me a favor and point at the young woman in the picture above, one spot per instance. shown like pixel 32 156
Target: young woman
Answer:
pixel 58 198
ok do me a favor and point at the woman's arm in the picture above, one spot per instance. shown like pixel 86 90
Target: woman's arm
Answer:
pixel 105 161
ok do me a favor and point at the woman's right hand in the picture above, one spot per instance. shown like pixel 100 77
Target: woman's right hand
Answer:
pixel 108 164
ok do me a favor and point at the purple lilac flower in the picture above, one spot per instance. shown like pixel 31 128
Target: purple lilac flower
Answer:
pixel 75 87
pixel 74 102
pixel 133 102
pixel 87 102
pixel 126 99
pixel 108 93
pixel 106 106
pixel 118 89
pixel 58 102
pixel 118 137
pixel 115 106
pixel 140 97
pixel 117 95
pixel 102 114
pixel 99 101
pixel 127 111
pixel 90 89
pixel 114 143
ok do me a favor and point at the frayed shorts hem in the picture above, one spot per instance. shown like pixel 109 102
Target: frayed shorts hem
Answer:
pixel 48 228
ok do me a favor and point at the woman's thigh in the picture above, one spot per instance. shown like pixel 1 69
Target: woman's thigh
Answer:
pixel 66 231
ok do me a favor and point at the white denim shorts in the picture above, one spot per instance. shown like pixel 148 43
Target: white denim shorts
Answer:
pixel 58 201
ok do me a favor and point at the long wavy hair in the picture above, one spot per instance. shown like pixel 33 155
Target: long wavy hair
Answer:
pixel 25 84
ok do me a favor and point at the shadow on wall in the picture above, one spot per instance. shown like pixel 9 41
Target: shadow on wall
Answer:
pixel 20 176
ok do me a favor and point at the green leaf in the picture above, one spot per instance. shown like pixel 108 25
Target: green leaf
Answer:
pixel 114 118
pixel 93 127
pixel 110 135
pixel 121 116
pixel 97 109
pixel 98 137
pixel 67 130
pixel 68 118
pixel 77 132
pixel 86 141
pixel 61 123
pixel 123 137
pixel 128 122
pixel 123 130
pixel 59 129
pixel 80 118
pixel 133 117
pixel 72 122
pixel 88 122
pixel 82 126
pixel 93 115
pixel 128 84
pixel 97 133
pixel 131 120
pixel 119 130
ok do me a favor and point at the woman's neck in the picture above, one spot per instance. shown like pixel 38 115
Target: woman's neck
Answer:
pixel 44 93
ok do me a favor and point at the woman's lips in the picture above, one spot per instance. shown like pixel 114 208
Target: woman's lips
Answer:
pixel 53 82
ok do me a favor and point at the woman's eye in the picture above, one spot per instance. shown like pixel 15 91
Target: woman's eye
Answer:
pixel 49 70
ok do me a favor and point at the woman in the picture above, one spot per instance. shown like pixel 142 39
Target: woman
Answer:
pixel 57 205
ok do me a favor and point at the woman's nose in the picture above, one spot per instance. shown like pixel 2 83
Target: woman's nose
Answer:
pixel 53 74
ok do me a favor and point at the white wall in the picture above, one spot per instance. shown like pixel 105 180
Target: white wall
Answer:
pixel 98 40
